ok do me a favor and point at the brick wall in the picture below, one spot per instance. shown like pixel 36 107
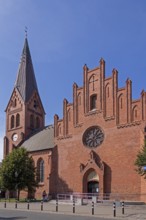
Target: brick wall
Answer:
pixel 122 121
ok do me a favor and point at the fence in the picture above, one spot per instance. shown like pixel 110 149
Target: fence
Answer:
pixel 86 198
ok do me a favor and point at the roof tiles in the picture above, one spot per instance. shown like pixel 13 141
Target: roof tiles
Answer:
pixel 42 140
pixel 26 82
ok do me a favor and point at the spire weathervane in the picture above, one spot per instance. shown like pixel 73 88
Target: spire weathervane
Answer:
pixel 25 32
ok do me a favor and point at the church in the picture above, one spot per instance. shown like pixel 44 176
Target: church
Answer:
pixel 92 149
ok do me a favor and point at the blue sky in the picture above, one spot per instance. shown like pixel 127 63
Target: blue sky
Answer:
pixel 63 35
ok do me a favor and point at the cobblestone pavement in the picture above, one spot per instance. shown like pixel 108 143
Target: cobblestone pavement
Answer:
pixel 131 212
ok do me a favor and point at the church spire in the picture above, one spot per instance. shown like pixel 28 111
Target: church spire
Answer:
pixel 26 82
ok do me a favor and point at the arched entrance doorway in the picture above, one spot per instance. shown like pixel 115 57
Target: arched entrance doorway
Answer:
pixel 92 174
pixel 91 182
pixel 93 186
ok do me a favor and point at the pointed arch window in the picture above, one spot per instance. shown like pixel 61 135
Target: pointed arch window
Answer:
pixel 6 150
pixel 59 129
pixel 37 122
pixel 6 146
pixel 135 113
pixel 12 121
pixel 17 120
pixel 121 102
pixel 31 121
pixel 93 102
pixel 40 170
pixel 108 92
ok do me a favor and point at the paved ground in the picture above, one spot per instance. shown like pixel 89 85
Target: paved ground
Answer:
pixel 101 211
pixel 25 215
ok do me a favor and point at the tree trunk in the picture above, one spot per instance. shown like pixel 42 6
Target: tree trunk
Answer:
pixel 18 195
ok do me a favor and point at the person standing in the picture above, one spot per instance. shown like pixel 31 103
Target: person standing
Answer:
pixel 44 194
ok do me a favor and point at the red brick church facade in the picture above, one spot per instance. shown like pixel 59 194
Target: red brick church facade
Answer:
pixel 93 147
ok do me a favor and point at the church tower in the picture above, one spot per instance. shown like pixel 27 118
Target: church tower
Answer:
pixel 24 113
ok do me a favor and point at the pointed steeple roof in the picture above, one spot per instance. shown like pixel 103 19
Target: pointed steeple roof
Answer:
pixel 26 82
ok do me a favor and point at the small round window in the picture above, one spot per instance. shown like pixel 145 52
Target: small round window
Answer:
pixel 93 137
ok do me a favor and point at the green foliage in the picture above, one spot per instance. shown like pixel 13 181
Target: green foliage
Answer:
pixel 141 162
pixel 18 172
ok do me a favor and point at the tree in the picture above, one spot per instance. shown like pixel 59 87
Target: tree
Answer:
pixel 18 172
pixel 141 162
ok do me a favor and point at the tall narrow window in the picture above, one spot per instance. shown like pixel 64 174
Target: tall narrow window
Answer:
pixel 108 92
pixel 6 146
pixel 40 170
pixel 31 121
pixel 17 120
pixel 135 113
pixel 121 103
pixel 37 122
pixel 93 102
pixel 6 150
pixel 12 121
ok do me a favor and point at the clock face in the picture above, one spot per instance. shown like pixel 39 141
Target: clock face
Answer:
pixel 15 137
pixel 93 137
